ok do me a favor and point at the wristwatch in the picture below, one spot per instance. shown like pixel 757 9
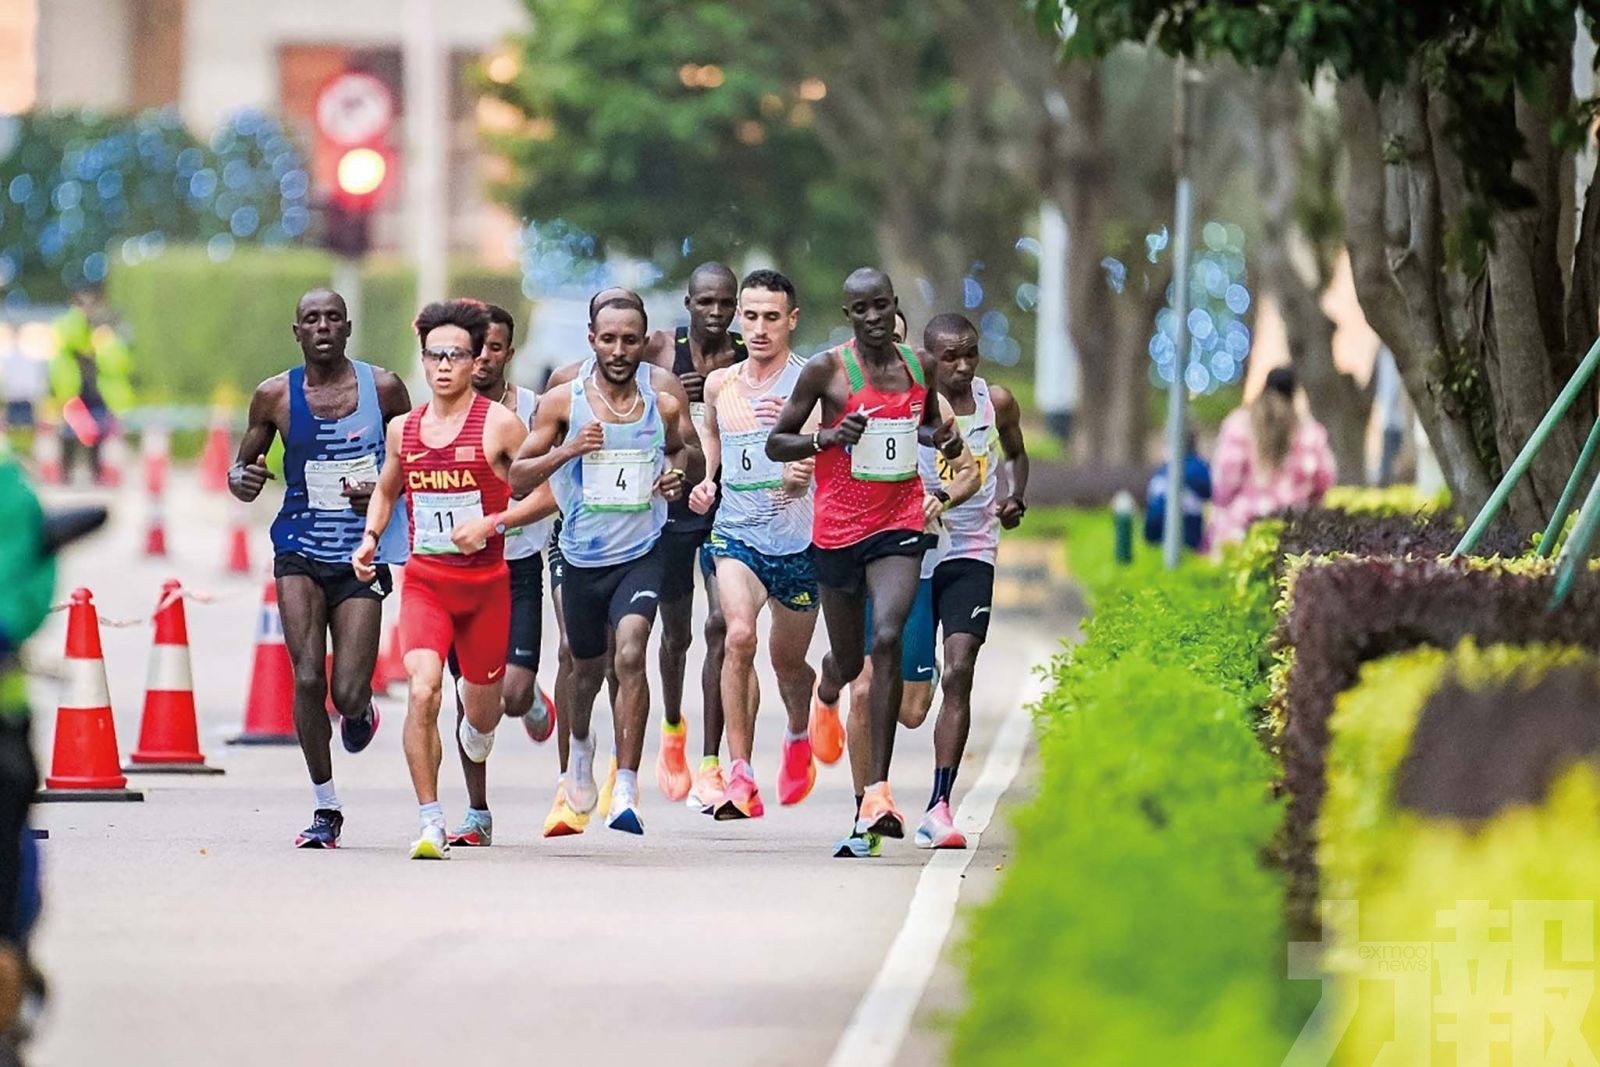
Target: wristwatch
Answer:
pixel 500 524
pixel 941 496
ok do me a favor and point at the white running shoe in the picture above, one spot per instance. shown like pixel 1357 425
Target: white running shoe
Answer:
pixel 431 845
pixel 624 813
pixel 477 746
pixel 582 794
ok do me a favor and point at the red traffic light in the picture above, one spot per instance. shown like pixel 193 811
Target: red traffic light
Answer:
pixel 361 173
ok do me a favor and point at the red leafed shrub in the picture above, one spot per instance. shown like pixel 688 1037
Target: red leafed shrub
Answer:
pixel 1426 536
pixel 1345 612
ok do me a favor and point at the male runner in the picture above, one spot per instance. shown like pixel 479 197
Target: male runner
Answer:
pixel 692 353
pixel 450 457
pixel 331 413
pixel 963 579
pixel 521 697
pixel 867 533
pixel 759 542
pixel 616 443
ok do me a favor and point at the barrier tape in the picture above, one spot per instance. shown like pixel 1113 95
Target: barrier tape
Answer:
pixel 198 596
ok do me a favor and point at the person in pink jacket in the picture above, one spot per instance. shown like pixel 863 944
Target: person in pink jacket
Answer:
pixel 1270 455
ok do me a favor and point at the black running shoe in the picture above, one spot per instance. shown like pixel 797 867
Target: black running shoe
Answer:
pixel 323 831
pixel 357 734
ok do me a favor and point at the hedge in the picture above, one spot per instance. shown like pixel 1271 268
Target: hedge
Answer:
pixel 1138 923
pixel 201 328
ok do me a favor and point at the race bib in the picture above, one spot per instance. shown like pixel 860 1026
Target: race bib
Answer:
pixel 745 465
pixel 947 470
pixel 325 480
pixel 887 451
pixel 618 479
pixel 435 515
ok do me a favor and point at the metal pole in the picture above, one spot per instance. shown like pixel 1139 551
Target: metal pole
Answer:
pixel 347 283
pixel 1172 539
pixel 427 147
pixel 1575 553
pixel 1055 374
pixel 1558 518
pixel 1524 460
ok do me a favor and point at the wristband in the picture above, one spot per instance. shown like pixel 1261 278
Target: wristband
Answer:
pixel 816 442
pixel 941 496
pixel 369 532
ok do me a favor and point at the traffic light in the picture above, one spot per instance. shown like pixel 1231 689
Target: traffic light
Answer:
pixel 354 114
pixel 360 177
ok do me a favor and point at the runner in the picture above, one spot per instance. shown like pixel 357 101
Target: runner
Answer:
pixel 692 353
pixel 450 458
pixel 562 821
pixel 870 514
pixel 627 426
pixel 759 542
pixel 331 413
pixel 963 579
pixel 521 697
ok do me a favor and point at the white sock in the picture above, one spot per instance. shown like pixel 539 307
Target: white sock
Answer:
pixel 481 813
pixel 327 796
pixel 432 814
pixel 627 785
pixel 791 736
pixel 580 758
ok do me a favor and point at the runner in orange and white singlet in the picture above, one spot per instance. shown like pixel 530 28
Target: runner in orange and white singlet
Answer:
pixel 450 458
pixel 870 513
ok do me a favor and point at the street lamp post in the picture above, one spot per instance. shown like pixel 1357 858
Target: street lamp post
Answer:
pixel 1172 531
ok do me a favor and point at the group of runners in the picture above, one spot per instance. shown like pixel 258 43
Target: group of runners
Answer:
pixel 868 482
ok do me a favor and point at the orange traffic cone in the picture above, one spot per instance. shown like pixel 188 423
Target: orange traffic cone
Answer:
pixel 169 739
pixel 48 465
pixel 390 669
pixel 154 448
pixel 113 459
pixel 84 765
pixel 238 553
pixel 269 710
pixel 214 458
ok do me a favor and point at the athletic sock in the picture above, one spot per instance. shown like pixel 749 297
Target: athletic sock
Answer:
pixel 792 736
pixel 944 780
pixel 859 798
pixel 670 728
pixel 432 814
pixel 709 762
pixel 327 796
pixel 580 758
pixel 481 814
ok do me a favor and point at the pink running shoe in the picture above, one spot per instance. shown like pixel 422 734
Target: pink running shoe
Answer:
pixel 938 829
pixel 798 773
pixel 741 801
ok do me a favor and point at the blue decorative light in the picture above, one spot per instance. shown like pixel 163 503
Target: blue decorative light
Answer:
pixel 971 292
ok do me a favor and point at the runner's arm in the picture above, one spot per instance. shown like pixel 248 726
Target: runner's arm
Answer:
pixel 561 376
pixel 540 457
pixel 249 472
pixel 693 460
pixel 1008 421
pixel 503 437
pixel 393 402
pixel 788 441
pixel 674 414
pixel 705 493
pixel 381 507
pixel 964 480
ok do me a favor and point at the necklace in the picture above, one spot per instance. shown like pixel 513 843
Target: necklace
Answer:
pixel 762 385
pixel 506 392
pixel 638 399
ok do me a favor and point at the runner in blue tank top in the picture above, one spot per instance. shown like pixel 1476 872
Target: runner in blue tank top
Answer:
pixel 331 414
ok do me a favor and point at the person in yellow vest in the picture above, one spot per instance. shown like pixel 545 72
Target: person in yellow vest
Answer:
pixel 90 377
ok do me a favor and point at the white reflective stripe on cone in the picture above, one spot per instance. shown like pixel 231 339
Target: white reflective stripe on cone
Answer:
pixel 86 684
pixel 269 626
pixel 169 670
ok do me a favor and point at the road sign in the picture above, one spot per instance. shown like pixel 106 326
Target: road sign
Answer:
pixel 354 108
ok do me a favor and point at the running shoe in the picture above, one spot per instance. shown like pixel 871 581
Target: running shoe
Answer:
pixel 623 813
pixel 672 769
pixel 741 800
pixel 477 746
pixel 475 831
pixel 827 732
pixel 858 847
pixel 580 775
pixel 357 734
pixel 798 772
pixel 431 845
pixel 878 814
pixel 323 831
pixel 708 789
pixel 938 829
pixel 540 722
pixel 604 800
pixel 562 820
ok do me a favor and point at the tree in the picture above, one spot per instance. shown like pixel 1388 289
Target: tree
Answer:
pixel 1460 126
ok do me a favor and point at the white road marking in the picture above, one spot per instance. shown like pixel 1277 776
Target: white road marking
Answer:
pixel 883 1017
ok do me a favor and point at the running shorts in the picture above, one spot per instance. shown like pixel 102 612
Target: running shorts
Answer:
pixel 845 569
pixel 337 581
pixel 595 598
pixel 917 639
pixel 790 580
pixel 465 607
pixel 963 594
pixel 679 549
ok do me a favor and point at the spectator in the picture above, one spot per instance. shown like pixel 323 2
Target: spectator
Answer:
pixel 91 367
pixel 1196 491
pixel 1271 455
pixel 22 379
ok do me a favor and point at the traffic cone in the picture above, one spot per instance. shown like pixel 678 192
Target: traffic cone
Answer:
pixel 390 670
pixel 154 449
pixel 269 709
pixel 214 458
pixel 169 738
pixel 48 467
pixel 238 551
pixel 84 765
pixel 113 459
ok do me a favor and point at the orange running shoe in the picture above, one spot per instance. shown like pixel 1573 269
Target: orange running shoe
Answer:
pixel 672 769
pixel 827 732
pixel 879 815
pixel 741 801
pixel 562 820
pixel 603 804
pixel 708 789
pixel 798 772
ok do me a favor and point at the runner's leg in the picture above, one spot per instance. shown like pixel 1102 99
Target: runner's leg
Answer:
pixel 789 644
pixel 631 714
pixel 357 625
pixel 304 611
pixel 892 583
pixel 843 612
pixel 711 670
pixel 476 775
pixel 425 670
pixel 955 714
pixel 742 598
pixel 677 633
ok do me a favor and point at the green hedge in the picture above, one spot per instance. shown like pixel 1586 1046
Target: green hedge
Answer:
pixel 202 329
pixel 1138 923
